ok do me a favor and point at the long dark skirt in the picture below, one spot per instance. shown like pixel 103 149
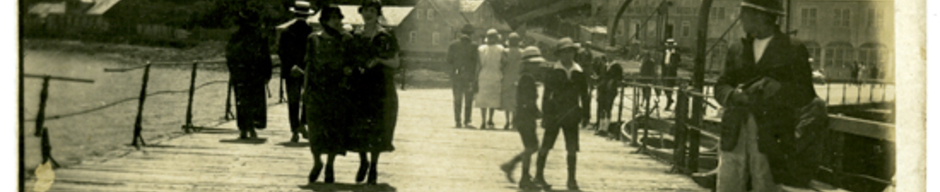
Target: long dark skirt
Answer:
pixel 250 104
pixel 376 128
pixel 328 121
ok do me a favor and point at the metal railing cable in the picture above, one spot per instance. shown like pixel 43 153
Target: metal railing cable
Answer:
pixel 41 130
pixel 121 101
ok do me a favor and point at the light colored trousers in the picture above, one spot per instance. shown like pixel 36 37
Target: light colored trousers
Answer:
pixel 745 160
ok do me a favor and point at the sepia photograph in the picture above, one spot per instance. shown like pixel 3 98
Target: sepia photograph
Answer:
pixel 466 95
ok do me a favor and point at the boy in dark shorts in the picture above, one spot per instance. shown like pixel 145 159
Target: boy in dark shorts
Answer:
pixel 526 114
pixel 566 102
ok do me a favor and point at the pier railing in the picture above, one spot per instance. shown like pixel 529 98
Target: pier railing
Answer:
pixel 41 130
pixel 688 132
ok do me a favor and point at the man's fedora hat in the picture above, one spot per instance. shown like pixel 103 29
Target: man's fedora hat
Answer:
pixel 532 54
pixel 769 6
pixel 302 7
pixel 564 44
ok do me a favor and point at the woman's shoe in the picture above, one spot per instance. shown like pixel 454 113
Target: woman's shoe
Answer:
pixel 253 134
pixel 243 135
pixel 361 174
pixel 329 175
pixel 294 138
pixel 540 182
pixel 314 173
pixel 573 185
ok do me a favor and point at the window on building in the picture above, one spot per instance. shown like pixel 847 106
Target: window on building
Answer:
pixel 875 17
pixel 839 57
pixel 841 17
pixel 430 14
pixel 717 13
pixel 686 29
pixel 417 14
pixel 413 37
pixel 808 17
pixel 435 38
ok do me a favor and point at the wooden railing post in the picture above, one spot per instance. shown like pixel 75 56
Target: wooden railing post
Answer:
pixel 140 109
pixel 41 115
pixel 681 113
pixel 188 127
pixel 634 141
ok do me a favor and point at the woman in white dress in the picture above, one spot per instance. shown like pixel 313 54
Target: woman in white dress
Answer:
pixel 512 65
pixel 490 80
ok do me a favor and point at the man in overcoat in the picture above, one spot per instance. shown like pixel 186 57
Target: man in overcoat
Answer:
pixel 463 57
pixel 248 59
pixel 566 103
pixel 292 47
pixel 767 79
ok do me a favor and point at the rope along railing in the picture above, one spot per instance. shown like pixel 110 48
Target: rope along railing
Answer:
pixel 41 130
pixel 188 127
pixel 686 152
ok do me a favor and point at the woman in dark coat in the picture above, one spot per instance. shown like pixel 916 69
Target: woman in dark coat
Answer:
pixel 377 54
pixel 326 91
pixel 249 63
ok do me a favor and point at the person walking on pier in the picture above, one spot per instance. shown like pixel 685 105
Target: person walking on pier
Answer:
pixel 527 112
pixel 292 47
pixel 248 59
pixel 566 102
pixel 648 73
pixel 511 62
pixel 377 53
pixel 464 58
pixel 611 74
pixel 326 92
pixel 490 78
pixel 670 70
pixel 767 79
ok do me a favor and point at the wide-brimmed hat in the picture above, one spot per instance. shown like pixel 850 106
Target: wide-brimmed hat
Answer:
pixel 564 44
pixel 769 6
pixel 532 54
pixel 514 35
pixel 302 7
pixel 492 32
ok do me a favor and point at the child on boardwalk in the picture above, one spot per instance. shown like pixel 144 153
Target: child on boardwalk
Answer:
pixel 526 114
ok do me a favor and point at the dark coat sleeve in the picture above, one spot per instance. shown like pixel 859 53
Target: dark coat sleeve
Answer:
pixel 527 94
pixel 548 93
pixel 729 78
pixel 585 98
pixel 451 58
pixel 796 80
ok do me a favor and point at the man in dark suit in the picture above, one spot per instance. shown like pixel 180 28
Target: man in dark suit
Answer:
pixel 767 79
pixel 292 46
pixel 463 57
pixel 248 58
pixel 566 102
pixel 670 70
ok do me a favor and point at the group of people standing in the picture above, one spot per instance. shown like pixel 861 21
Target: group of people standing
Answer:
pixel 342 79
pixel 485 73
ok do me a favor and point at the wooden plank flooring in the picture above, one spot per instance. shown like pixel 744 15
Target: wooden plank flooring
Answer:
pixel 431 155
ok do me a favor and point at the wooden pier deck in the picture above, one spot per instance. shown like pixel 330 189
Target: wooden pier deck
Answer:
pixel 431 155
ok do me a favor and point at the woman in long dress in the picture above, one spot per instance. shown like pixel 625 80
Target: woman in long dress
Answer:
pixel 490 81
pixel 326 91
pixel 377 54
pixel 512 66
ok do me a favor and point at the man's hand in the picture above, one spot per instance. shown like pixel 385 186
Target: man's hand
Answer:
pixel 296 72
pixel 739 97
